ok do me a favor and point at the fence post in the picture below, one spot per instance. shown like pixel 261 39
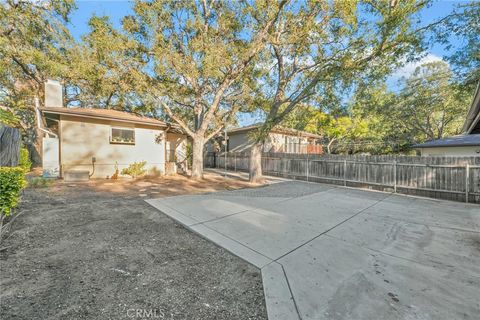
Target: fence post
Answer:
pixel 394 176
pixel 226 155
pixel 467 181
pixel 235 161
pixel 307 166
pixel 345 172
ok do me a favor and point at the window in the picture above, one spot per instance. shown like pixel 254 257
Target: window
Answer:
pixel 123 136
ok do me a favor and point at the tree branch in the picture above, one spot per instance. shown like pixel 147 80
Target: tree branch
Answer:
pixel 180 122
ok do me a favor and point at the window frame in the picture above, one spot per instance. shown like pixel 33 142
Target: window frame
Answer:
pixel 112 141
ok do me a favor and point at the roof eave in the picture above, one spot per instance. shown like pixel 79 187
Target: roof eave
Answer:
pixel 100 117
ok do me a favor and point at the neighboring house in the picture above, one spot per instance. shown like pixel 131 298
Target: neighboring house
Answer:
pixel 466 144
pixel 280 139
pixel 100 141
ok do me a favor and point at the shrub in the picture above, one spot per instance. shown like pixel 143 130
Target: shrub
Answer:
pixel 135 170
pixel 24 160
pixel 12 181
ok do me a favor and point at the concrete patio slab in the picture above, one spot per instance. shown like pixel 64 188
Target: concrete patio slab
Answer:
pixel 204 208
pixel 266 234
pixel 328 252
pixel 447 247
pixel 332 279
pixel 240 250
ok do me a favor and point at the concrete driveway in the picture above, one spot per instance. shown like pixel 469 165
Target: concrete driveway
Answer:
pixel 330 252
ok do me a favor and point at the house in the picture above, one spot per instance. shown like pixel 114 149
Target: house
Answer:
pixel 466 144
pixel 81 143
pixel 280 139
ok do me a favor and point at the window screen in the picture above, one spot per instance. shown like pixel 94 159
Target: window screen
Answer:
pixel 126 136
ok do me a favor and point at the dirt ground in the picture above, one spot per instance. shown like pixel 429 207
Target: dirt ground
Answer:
pixel 97 251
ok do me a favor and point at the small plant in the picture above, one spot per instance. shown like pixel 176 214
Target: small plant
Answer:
pixel 115 175
pixel 135 170
pixel 24 160
pixel 154 172
pixel 38 182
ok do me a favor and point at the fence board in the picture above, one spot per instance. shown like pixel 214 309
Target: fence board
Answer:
pixel 10 139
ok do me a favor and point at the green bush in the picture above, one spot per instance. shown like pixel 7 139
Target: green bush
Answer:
pixel 135 170
pixel 12 181
pixel 24 160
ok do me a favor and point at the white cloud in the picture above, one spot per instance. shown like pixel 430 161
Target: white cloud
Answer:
pixel 410 67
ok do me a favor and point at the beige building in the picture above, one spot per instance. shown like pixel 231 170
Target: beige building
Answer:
pixel 466 144
pixel 280 139
pixel 100 142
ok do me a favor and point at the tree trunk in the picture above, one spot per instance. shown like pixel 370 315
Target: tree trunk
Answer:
pixel 34 146
pixel 329 151
pixel 197 155
pixel 255 167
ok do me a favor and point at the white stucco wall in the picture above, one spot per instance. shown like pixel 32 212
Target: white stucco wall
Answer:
pixel 81 139
pixel 239 142
pixel 176 146
pixel 451 151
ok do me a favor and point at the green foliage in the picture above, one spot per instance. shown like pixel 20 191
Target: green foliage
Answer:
pixel 33 42
pixel 464 24
pixel 135 170
pixel 39 182
pixel 12 181
pixel 201 56
pixel 429 105
pixel 335 47
pixel 24 160
pixel 104 70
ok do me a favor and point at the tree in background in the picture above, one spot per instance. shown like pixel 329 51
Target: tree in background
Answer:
pixel 105 70
pixel 343 131
pixel 429 105
pixel 33 41
pixel 319 48
pixel 199 53
pixel 464 24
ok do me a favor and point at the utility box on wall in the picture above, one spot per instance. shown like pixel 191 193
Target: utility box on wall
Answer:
pixel 51 158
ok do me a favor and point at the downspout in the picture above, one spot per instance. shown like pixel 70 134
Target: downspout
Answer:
pixel 39 121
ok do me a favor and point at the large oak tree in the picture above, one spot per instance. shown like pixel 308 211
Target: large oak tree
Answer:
pixel 199 53
pixel 320 48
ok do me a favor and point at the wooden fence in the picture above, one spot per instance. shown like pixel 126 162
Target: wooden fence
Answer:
pixel 10 139
pixel 451 178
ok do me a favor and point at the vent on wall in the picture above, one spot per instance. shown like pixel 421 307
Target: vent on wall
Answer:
pixel 53 94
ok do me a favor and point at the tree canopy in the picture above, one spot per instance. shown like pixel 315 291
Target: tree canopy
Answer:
pixel 320 65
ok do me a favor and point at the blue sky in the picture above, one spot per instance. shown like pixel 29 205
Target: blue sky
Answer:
pixel 116 10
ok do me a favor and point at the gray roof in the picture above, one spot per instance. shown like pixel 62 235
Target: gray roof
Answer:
pixel 455 141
